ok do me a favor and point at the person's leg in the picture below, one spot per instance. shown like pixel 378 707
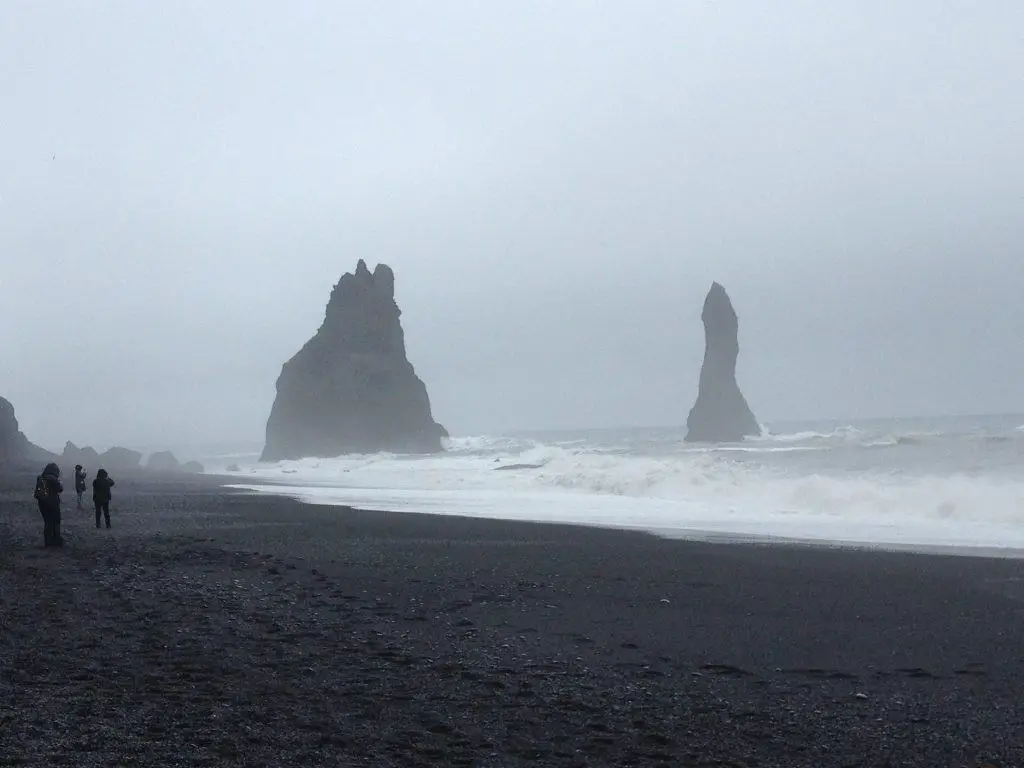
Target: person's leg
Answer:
pixel 58 540
pixel 46 525
pixel 50 534
pixel 99 509
pixel 106 512
pixel 80 499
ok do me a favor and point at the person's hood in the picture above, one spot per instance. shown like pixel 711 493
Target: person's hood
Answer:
pixel 51 470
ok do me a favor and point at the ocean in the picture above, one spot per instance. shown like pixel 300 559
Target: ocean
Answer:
pixel 927 483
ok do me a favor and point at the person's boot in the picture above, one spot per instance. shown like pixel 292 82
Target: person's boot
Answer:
pixel 108 522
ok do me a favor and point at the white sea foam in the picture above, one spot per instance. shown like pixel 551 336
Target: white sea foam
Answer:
pixel 679 491
pixel 847 432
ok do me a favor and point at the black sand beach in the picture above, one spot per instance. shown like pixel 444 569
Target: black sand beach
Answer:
pixel 215 628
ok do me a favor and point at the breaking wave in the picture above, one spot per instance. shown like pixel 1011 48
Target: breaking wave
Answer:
pixel 801 485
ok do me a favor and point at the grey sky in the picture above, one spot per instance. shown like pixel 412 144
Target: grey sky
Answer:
pixel 555 184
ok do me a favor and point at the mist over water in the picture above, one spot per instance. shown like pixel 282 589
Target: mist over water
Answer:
pixel 555 186
pixel 947 482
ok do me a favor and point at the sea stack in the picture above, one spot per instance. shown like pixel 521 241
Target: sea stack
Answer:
pixel 721 413
pixel 351 389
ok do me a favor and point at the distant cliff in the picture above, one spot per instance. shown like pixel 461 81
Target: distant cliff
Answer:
pixel 121 459
pixel 15 448
pixel 351 389
pixel 167 462
pixel 721 413
pixel 116 458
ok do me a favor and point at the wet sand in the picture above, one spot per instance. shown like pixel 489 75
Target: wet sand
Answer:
pixel 217 628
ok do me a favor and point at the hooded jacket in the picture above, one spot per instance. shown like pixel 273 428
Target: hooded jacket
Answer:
pixel 51 476
pixel 101 486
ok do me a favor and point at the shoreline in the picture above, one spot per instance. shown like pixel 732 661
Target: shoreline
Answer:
pixel 680 534
pixel 212 627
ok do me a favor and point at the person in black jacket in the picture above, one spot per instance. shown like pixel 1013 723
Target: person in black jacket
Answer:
pixel 101 486
pixel 47 493
pixel 79 483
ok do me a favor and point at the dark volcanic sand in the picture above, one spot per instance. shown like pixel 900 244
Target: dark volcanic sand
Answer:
pixel 217 629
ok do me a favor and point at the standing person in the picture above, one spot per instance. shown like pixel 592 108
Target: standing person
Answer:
pixel 47 493
pixel 101 486
pixel 79 483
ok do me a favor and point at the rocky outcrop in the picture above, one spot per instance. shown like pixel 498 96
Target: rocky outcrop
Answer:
pixel 351 389
pixel 120 458
pixel 15 448
pixel 13 444
pixel 87 457
pixel 163 461
pixel 721 413
pixel 115 458
pixel 124 460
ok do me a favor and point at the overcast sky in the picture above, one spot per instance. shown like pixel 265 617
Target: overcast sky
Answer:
pixel 555 184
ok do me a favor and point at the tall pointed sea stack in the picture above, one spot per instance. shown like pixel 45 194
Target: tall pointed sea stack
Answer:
pixel 351 389
pixel 721 414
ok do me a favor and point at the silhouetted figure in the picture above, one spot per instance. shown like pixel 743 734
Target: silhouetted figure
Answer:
pixel 79 483
pixel 47 494
pixel 101 486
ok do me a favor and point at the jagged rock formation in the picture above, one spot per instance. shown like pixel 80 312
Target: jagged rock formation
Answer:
pixel 15 448
pixel 163 461
pixel 351 389
pixel 721 413
pixel 87 457
pixel 115 458
pixel 13 444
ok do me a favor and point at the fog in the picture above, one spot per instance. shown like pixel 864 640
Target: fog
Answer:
pixel 555 185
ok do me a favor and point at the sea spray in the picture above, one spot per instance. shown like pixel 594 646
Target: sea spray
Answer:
pixel 851 482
